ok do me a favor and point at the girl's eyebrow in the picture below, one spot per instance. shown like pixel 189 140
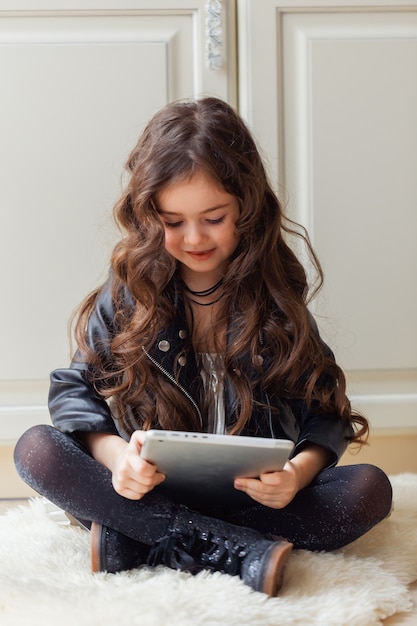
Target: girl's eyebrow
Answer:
pixel 209 210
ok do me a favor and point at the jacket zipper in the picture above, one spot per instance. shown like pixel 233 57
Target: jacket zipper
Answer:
pixel 271 428
pixel 176 383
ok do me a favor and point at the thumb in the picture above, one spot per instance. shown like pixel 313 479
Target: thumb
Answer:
pixel 137 439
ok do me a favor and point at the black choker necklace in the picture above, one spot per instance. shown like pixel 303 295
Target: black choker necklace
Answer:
pixel 207 303
pixel 205 292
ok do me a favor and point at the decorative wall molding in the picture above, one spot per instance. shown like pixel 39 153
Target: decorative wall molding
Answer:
pixel 388 411
pixel 214 34
pixel 15 420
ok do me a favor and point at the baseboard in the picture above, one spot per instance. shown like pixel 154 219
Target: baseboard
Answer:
pixel 11 485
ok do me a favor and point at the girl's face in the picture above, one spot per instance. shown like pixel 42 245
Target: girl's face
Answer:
pixel 199 219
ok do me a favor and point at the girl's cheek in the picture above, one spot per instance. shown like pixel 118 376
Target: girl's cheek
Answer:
pixel 169 241
pixel 167 237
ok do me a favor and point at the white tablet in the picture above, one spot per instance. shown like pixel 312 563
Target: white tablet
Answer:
pixel 200 468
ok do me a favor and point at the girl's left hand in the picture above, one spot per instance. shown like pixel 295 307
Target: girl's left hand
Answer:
pixel 274 489
pixel 277 489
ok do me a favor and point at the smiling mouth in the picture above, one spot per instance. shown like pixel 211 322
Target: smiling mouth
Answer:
pixel 203 254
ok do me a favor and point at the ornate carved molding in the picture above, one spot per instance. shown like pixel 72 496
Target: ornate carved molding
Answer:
pixel 214 34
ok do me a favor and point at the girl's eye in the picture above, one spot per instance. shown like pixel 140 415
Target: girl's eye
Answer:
pixel 172 224
pixel 219 220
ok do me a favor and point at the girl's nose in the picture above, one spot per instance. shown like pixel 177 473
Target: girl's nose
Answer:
pixel 194 235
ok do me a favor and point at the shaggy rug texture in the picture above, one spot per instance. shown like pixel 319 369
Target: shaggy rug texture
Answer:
pixel 45 579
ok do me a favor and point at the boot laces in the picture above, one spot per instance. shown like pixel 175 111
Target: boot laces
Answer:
pixel 187 549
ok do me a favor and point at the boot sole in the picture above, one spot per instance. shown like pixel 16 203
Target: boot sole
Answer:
pixel 277 560
pixel 96 547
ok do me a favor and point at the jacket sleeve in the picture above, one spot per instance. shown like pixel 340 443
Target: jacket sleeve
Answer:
pixel 74 403
pixel 330 431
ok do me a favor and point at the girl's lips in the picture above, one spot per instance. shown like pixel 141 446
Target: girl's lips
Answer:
pixel 200 256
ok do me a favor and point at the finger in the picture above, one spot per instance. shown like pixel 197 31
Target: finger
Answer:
pixel 141 467
pixel 132 494
pixel 270 500
pixel 158 478
pixel 134 468
pixel 271 478
pixel 136 486
pixel 123 486
pixel 240 484
pixel 137 438
pixel 264 494
pixel 134 450
pixel 251 484
pixel 145 475
pixel 273 501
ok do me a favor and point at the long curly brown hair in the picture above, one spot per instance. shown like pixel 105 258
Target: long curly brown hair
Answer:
pixel 265 286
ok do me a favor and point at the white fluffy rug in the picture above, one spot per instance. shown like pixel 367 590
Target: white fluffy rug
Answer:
pixel 45 579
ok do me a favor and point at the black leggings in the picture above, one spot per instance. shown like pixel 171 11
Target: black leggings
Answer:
pixel 339 506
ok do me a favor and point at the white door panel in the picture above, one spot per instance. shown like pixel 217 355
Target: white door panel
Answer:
pixel 340 86
pixel 55 197
pixel 78 81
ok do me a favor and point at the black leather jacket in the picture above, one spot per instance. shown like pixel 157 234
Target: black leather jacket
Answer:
pixel 76 406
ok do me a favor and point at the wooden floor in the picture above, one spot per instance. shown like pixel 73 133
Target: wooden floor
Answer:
pixel 401 619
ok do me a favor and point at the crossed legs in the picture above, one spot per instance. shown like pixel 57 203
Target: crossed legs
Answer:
pixel 339 506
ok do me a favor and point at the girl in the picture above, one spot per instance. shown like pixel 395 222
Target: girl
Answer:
pixel 203 287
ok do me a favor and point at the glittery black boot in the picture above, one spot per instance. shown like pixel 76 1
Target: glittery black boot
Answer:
pixel 113 552
pixel 195 542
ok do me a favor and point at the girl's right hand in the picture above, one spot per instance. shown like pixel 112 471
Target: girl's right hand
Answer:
pixel 132 477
